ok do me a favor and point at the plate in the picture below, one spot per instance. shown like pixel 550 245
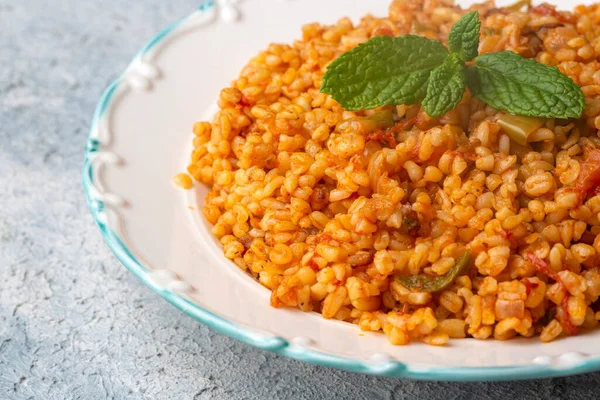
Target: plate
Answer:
pixel 141 137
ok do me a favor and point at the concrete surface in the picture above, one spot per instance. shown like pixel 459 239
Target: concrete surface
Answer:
pixel 74 324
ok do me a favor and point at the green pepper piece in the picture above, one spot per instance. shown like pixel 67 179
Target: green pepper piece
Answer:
pixel 518 127
pixel 383 119
pixel 410 225
pixel 518 6
pixel 426 283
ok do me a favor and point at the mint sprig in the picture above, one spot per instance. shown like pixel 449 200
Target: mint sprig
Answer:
pixel 415 70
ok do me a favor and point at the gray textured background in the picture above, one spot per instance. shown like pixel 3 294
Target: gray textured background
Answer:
pixel 74 324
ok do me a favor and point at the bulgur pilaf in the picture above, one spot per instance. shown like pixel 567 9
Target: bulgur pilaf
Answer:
pixel 327 208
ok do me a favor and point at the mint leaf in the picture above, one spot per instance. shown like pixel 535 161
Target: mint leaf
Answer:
pixel 412 69
pixel 464 36
pixel 383 71
pixel 522 86
pixel 446 87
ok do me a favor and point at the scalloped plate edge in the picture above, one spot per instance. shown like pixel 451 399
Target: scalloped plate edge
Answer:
pixel 98 202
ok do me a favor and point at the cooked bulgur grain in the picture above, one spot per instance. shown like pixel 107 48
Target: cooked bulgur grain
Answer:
pixel 183 180
pixel 325 206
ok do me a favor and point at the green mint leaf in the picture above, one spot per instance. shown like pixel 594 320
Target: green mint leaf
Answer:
pixel 446 87
pixel 464 36
pixel 383 71
pixel 522 86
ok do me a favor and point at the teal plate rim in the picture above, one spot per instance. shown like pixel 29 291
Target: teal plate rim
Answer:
pixel 277 344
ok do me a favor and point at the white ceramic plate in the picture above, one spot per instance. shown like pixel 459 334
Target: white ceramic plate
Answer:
pixel 141 137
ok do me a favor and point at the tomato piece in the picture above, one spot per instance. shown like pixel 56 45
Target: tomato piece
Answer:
pixel 545 9
pixel 588 180
pixel 562 311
